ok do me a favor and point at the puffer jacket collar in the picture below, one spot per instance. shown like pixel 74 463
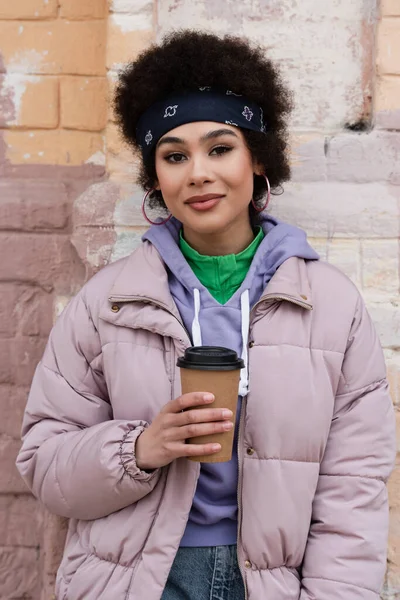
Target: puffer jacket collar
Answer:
pixel 144 280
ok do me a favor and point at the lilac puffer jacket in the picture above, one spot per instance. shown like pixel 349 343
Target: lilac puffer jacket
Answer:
pixel 316 442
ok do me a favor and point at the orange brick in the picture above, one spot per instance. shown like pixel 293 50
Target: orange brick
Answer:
pixel 28 101
pixel 28 9
pixel 124 45
pixel 122 165
pixel 84 103
pixel 112 81
pixel 54 47
pixel 390 7
pixel 59 147
pixel 388 93
pixel 83 9
pixel 116 145
pixel 389 46
pixel 34 99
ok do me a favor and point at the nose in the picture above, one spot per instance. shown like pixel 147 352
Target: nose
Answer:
pixel 200 171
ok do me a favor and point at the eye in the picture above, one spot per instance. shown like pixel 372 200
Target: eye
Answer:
pixel 218 150
pixel 176 157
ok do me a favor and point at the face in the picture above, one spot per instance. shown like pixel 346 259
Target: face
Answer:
pixel 205 173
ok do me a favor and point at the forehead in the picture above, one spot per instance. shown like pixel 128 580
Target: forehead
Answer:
pixel 193 132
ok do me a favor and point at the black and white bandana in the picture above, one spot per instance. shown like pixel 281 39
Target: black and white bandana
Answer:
pixel 204 104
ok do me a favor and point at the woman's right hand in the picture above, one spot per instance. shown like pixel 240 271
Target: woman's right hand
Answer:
pixel 164 440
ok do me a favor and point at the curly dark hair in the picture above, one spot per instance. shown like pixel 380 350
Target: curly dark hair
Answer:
pixel 189 59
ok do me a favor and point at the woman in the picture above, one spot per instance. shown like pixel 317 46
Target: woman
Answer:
pixel 301 509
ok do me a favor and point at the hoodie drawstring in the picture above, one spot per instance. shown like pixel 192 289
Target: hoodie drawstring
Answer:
pixel 245 313
pixel 196 330
pixel 245 317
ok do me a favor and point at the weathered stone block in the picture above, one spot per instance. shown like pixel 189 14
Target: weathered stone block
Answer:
pixel 392 359
pixel 389 46
pixel 127 36
pixel 19 358
pixel 6 361
pixel 54 47
pixel 34 311
pixel 387 102
pixel 12 405
pixel 346 256
pixel 95 207
pixel 380 267
pixel 320 245
pixel 10 479
pixel 307 158
pixel 54 534
pixel 343 210
pixel 363 158
pixel 94 246
pixel 58 147
pixel 20 521
pixel 28 9
pixel 131 7
pixel 11 208
pixel 330 74
pixel 47 260
pixel 19 573
pixel 128 239
pixel 26 353
pixel 390 8
pixel 84 103
pixel 33 204
pixel 111 81
pixel 122 162
pixel 9 294
pixel 30 101
pixel 386 317
pixel 83 9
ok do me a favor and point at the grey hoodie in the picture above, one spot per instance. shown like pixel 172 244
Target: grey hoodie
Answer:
pixel 213 517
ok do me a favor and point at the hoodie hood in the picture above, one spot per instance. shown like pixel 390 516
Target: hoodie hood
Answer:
pixel 281 241
pixel 215 326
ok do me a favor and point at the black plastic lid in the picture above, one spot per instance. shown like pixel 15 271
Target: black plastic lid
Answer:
pixel 210 358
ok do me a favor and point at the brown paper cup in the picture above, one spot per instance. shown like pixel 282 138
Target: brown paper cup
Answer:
pixel 224 385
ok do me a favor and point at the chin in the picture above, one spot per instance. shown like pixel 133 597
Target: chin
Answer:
pixel 207 224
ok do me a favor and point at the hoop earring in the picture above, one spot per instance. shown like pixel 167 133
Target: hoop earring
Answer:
pixel 144 211
pixel 268 197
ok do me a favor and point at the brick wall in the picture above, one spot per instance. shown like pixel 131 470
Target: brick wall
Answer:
pixel 53 111
pixel 69 204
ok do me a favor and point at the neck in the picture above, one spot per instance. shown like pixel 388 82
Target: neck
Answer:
pixel 234 239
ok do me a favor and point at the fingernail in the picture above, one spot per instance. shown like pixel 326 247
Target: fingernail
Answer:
pixel 228 425
pixel 227 413
pixel 208 398
pixel 216 447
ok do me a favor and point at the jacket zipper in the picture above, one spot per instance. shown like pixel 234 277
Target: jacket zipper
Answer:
pixel 240 445
pixel 239 497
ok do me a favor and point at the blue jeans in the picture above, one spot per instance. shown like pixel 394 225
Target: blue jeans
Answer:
pixel 205 573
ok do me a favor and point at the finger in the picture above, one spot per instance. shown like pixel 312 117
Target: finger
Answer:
pixel 187 401
pixel 200 449
pixel 201 415
pixel 195 429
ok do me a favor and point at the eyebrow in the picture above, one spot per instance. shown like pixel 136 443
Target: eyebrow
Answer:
pixel 215 133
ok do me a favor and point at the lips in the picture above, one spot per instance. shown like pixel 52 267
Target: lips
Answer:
pixel 205 202
pixel 204 198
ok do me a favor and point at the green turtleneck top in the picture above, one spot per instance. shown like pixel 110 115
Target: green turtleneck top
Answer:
pixel 221 275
